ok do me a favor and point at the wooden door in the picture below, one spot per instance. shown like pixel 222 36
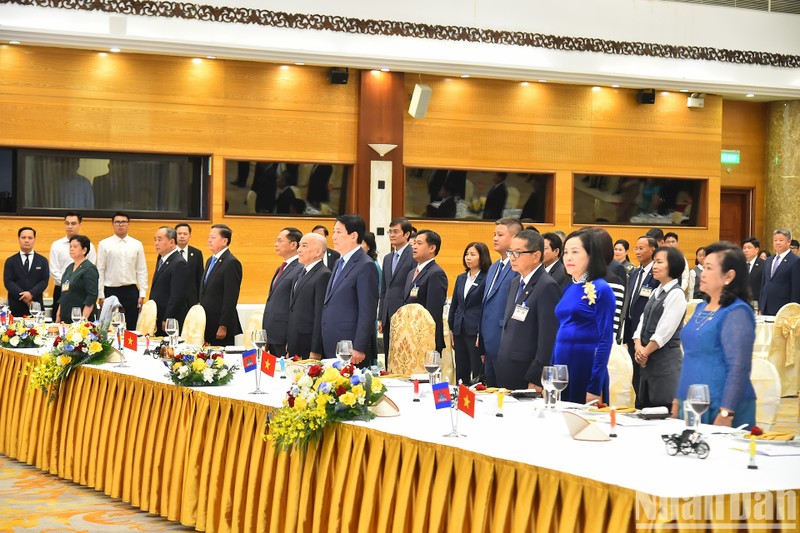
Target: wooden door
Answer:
pixel 736 214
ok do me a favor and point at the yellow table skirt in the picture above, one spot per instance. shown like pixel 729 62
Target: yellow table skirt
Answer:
pixel 200 460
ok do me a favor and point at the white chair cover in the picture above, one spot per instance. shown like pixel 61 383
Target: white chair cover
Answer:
pixel 620 375
pixel 194 326
pixel 767 383
pixel 105 312
pixel 146 323
pixel 253 324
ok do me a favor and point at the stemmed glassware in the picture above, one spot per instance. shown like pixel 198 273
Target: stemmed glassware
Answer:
pixel 344 350
pixel 549 375
pixel 36 312
pixel 259 338
pixel 118 322
pixel 432 365
pixel 560 380
pixel 76 314
pixel 697 401
pixel 171 329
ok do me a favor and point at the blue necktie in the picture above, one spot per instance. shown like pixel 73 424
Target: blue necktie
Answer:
pixel 395 260
pixel 210 267
pixel 338 271
pixel 521 288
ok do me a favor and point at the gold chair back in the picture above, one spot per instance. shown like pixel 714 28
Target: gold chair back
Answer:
pixel 691 305
pixel 783 350
pixel 194 326
pixel 413 334
pixel 253 324
pixel 146 323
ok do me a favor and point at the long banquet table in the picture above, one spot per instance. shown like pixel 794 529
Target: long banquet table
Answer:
pixel 196 456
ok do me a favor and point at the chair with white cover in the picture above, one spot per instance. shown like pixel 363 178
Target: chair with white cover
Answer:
pixel 512 199
pixel 105 312
pixel 194 326
pixel 146 323
pixel 251 202
pixel 413 335
pixel 253 324
pixel 620 375
pixel 448 358
pixel 767 384
pixel 783 352
pixel 691 305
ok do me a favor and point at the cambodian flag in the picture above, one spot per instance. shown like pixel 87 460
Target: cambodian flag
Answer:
pixel 249 360
pixel 441 395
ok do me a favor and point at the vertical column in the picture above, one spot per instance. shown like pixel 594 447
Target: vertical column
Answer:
pixel 783 169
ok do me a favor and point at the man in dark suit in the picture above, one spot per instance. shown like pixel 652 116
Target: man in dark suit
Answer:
pixel 498 281
pixel 285 195
pixel 396 267
pixel 447 208
pixel 276 310
pixel 640 287
pixel 755 266
pixel 26 274
pixel 194 258
pixel 219 293
pixel 318 192
pixel 351 298
pixel 304 333
pixel 529 321
pixel 168 289
pixel 427 283
pixel 780 283
pixel 331 255
pixel 552 259
pixel 496 197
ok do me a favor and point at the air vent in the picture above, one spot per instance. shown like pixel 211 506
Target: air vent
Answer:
pixel 773 6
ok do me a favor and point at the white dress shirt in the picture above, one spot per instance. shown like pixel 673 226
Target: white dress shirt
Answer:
pixel 60 259
pixel 121 262
pixel 674 310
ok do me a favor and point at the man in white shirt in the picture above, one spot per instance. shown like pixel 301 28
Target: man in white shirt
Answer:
pixel 59 253
pixel 122 267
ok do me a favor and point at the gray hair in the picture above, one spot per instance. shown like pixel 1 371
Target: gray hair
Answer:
pixel 170 233
pixel 785 232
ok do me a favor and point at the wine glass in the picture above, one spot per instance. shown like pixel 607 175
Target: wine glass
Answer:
pixel 36 311
pixel 344 350
pixel 259 338
pixel 120 334
pixel 560 379
pixel 76 314
pixel 432 364
pixel 697 400
pixel 171 329
pixel 548 376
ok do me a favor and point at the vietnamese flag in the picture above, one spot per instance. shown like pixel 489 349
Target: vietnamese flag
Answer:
pixel 131 341
pixel 268 364
pixel 249 360
pixel 441 395
pixel 466 400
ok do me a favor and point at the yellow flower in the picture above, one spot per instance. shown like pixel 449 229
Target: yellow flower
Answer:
pixel 300 403
pixel 331 375
pixel 63 360
pixel 177 365
pixel 348 398
pixel 95 347
pixel 323 400
pixel 377 386
pixel 198 365
pixel 589 293
pixel 358 391
pixel 4 338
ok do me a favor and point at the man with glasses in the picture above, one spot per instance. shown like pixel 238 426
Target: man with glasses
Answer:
pixel 122 267
pixel 276 309
pixel 427 283
pixel 396 267
pixel 59 254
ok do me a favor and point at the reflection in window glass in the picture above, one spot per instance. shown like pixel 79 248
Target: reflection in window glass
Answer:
pixel 636 200
pixel 6 181
pixel 275 188
pixel 476 194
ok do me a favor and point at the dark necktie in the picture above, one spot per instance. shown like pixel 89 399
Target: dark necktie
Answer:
pixel 183 254
pixel 520 290
pixel 299 277
pixel 159 263
pixel 339 268
pixel 395 260
pixel 278 273
pixel 25 263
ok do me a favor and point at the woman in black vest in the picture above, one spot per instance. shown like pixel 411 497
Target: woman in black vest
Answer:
pixel 657 339
pixel 694 291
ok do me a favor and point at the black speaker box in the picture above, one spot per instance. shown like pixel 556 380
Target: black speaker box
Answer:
pixel 338 75
pixel 646 96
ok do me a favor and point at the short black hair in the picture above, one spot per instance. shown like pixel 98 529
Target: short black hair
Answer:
pixel 625 244
pixel 372 248
pixel 404 223
pixel 671 234
pixel 224 231
pixel 170 233
pixel 75 214
pixel 651 241
pixel 323 228
pixel 353 223
pixel 484 257
pixel 795 243
pixel 513 224
pixel 555 242
pixel 293 235
pixel 732 259
pixel 675 261
pixel 752 240
pixel 532 228
pixel 120 214
pixel 26 228
pixel 534 242
pixel 84 241
pixel 182 225
pixel 597 264
pixel 431 237
pixel 656 233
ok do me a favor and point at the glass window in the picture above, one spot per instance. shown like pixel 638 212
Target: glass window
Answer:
pixel 278 188
pixel 636 200
pixel 6 181
pixel 477 194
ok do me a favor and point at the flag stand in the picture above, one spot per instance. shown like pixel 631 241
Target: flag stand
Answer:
pixel 454 418
pixel 259 355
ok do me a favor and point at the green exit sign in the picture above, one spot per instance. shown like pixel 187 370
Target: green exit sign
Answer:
pixel 730 157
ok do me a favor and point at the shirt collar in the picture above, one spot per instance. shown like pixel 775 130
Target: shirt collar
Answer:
pixel 165 257
pixel 527 278
pixel 346 257
pixel 423 265
pixel 22 254
pixel 400 250
pixel 668 286
pixel 289 261
pixel 219 254
pixel 312 265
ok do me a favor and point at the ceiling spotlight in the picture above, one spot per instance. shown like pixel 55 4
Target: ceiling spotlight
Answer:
pixel 465 75
pixel 375 71
pixel 211 57
pixel 542 81
pixel 13 42
pixel 749 95
pixel 524 83
pixel 102 54
pixel 197 60
pixel 596 88
pixel 114 50
pixel 684 90
pixel 615 86
pixel 299 63
pixel 284 67
pixel 384 69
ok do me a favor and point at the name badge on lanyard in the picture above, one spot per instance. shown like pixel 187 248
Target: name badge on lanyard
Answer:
pixel 65 286
pixel 646 291
pixel 520 312
pixel 414 291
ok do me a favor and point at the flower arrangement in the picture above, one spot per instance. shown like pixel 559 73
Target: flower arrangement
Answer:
pixel 81 343
pixel 198 368
pixel 318 397
pixel 589 293
pixel 21 335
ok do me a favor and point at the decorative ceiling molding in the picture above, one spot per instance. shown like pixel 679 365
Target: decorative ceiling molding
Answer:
pixel 389 28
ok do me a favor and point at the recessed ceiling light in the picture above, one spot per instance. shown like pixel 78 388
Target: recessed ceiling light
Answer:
pixel 197 60
pixel 115 50
pixel 524 83
pixel 615 86
pixel 465 75
pixel 102 54
pixel 13 42
pixel 684 90
pixel 299 63
pixel 375 71
pixel 384 69
pixel 596 88
pixel 542 81
pixel 284 67
pixel 211 57
pixel 749 95
pixel 664 93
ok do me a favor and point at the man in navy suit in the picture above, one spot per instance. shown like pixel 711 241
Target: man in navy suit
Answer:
pixel 529 321
pixel 498 281
pixel 194 258
pixel 351 299
pixel 304 333
pixel 219 293
pixel 780 283
pixel 276 310
pixel 427 283
pixel 755 267
pixel 640 287
pixel 396 267
pixel 168 289
pixel 26 274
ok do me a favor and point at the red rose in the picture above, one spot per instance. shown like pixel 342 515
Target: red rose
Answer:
pixel 179 357
pixel 600 405
pixel 296 358
pixel 215 356
pixel 290 400
pixel 383 372
pixel 480 386
pixel 340 390
pixel 11 333
pixel 347 370
pixel 33 332
pixel 314 371
pixel 756 431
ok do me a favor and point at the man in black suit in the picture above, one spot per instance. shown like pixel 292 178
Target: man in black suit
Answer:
pixel 755 266
pixel 285 195
pixel 331 255
pixel 168 289
pixel 351 298
pixel 447 208
pixel 276 310
pixel 780 283
pixel 496 197
pixel 304 333
pixel 427 283
pixel 396 267
pixel 640 287
pixel 529 323
pixel 552 259
pixel 318 192
pixel 26 274
pixel 219 292
pixel 194 258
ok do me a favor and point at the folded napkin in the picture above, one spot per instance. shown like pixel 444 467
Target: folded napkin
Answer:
pixel 490 390
pixel 608 410
pixel 774 435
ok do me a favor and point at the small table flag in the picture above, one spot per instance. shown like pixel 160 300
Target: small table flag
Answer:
pixel 441 395
pixel 466 400
pixel 131 341
pixel 249 360
pixel 268 364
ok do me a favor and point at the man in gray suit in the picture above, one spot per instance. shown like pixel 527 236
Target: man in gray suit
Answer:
pixel 276 310
pixel 396 267
pixel 304 333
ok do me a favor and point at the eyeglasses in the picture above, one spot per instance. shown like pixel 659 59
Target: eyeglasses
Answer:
pixel 121 222
pixel 516 253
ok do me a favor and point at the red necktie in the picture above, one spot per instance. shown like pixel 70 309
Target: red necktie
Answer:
pixel 416 273
pixel 278 275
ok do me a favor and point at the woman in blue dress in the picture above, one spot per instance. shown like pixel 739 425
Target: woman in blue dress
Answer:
pixel 586 317
pixel 718 341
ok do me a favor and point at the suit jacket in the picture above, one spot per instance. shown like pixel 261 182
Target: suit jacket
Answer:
pixel 494 306
pixel 527 346
pixel 559 273
pixel 446 209
pixel 285 201
pixel 393 284
pixel 783 287
pixel 219 295
pixel 276 309
pixel 196 270
pixel 351 304
pixel 495 202
pixel 633 307
pixel 465 313
pixel 304 333
pixel 168 290
pixel 754 278
pixel 431 293
pixel 18 280
pixel 331 256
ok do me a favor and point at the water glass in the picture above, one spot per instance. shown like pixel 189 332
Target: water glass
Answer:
pixel 344 350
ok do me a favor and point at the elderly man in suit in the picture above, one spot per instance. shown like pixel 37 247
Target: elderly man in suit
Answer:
pixel 780 283
pixel 529 321
pixel 304 333
pixel 219 293
pixel 498 281
pixel 25 274
pixel 351 299
pixel 396 267
pixel 168 288
pixel 640 287
pixel 194 258
pixel 276 309
pixel 755 266
pixel 427 283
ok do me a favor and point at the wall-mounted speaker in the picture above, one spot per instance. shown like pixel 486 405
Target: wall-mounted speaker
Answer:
pixel 338 75
pixel 646 96
pixel 419 100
